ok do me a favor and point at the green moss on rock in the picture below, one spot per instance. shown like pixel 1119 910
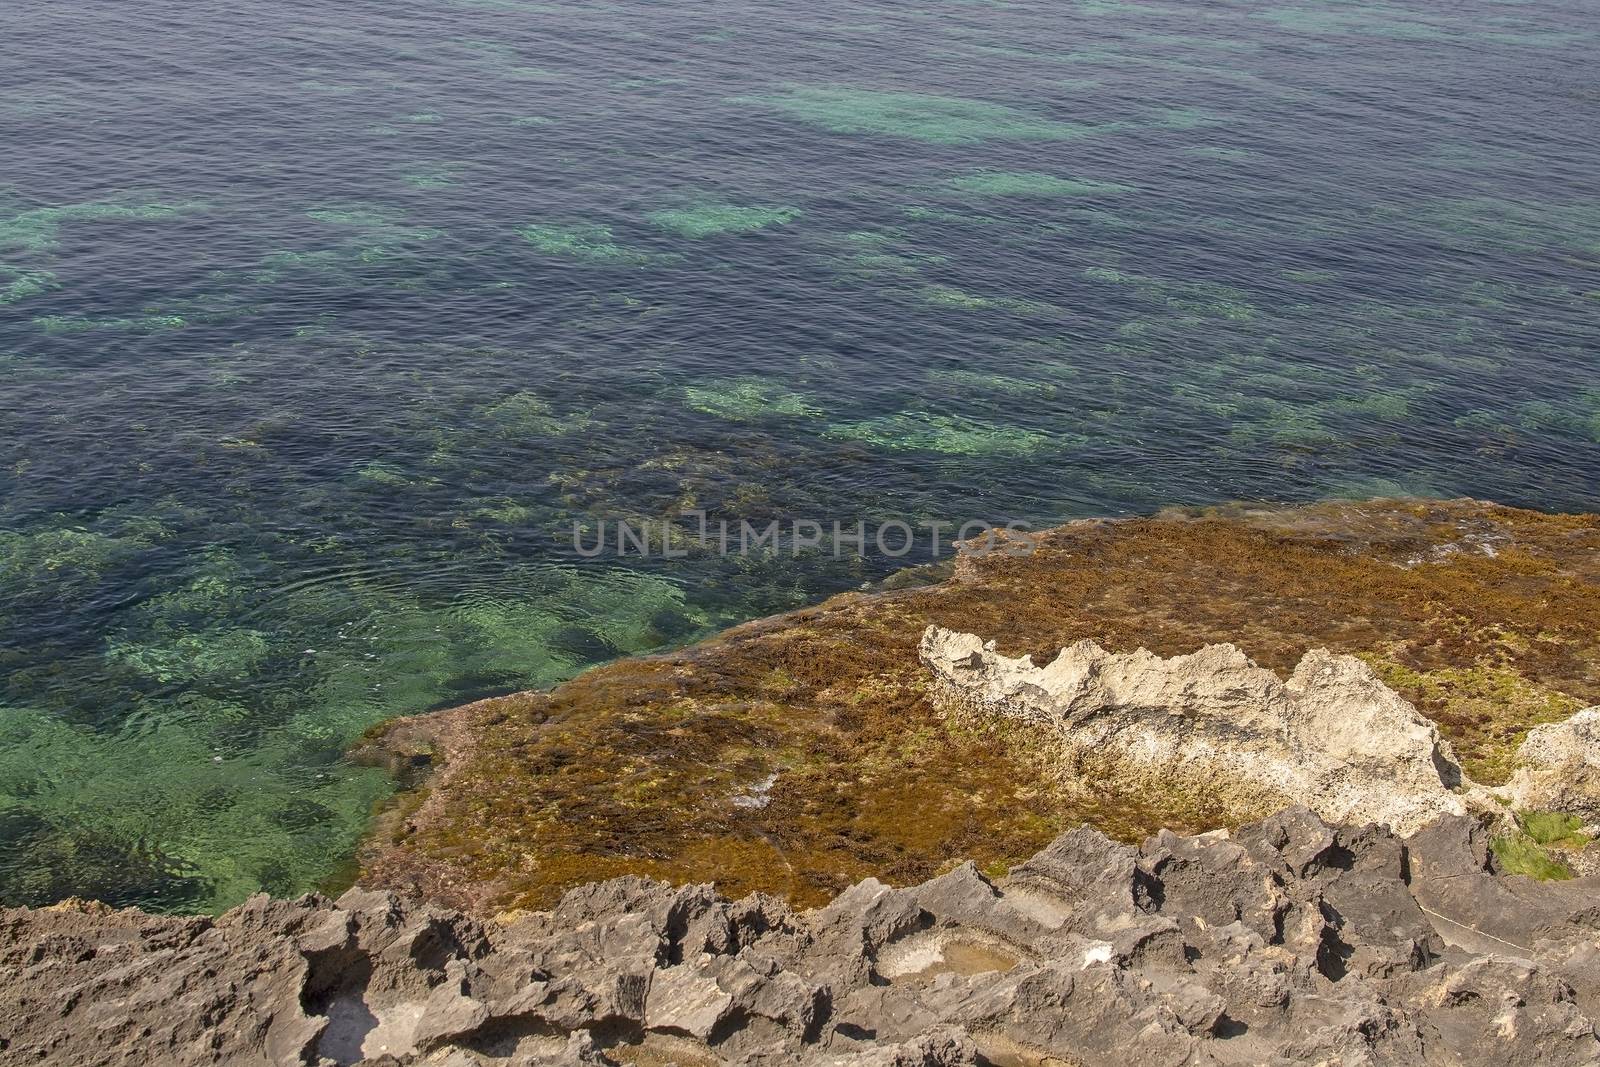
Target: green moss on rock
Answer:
pixel 1521 854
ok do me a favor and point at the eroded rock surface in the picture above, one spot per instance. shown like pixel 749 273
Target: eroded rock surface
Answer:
pixel 1332 736
pixel 1288 942
pixel 1559 768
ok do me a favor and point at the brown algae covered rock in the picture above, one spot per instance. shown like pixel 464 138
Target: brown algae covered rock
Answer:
pixel 800 754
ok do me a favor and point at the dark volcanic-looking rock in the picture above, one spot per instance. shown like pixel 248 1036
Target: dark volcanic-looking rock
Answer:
pixel 1287 942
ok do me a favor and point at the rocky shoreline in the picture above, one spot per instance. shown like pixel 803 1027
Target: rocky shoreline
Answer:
pixel 1290 817
pixel 1286 942
pixel 1331 737
pixel 799 754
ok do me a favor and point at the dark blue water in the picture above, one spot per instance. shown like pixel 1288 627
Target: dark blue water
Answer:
pixel 320 325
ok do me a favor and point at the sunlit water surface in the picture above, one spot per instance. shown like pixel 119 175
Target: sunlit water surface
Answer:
pixel 321 323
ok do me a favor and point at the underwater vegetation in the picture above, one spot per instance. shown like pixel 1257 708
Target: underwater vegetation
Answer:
pixel 39 230
pixel 748 399
pixel 588 242
pixel 710 219
pixel 31 240
pixel 952 435
pixel 62 562
pixel 17 284
pixel 526 414
pixel 74 324
pixel 948 296
pixel 959 380
pixel 1025 183
pixel 433 177
pixel 214 787
pixel 1508 225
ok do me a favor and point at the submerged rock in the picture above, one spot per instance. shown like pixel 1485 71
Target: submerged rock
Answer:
pixel 1290 942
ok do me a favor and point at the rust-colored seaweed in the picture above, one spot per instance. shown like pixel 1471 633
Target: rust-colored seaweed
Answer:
pixel 1487 617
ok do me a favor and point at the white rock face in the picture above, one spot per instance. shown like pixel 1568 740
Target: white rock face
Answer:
pixel 1560 768
pixel 1333 737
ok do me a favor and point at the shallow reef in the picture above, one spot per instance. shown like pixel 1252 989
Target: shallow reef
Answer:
pixel 712 218
pixel 799 754
pixel 1029 183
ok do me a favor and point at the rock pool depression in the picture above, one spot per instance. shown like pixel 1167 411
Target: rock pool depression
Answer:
pixel 320 327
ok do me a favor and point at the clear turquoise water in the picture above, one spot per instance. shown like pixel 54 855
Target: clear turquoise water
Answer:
pixel 320 325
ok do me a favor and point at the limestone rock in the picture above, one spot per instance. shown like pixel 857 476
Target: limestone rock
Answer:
pixel 1332 737
pixel 1559 768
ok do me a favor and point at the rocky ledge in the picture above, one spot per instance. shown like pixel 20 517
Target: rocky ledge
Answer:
pixel 1285 942
pixel 801 754
pixel 1332 737
pixel 1430 740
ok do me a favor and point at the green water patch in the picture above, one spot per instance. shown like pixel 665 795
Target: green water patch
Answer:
pixel 155 812
pixel 871 254
pixel 950 435
pixel 1185 118
pixel 527 414
pixel 1380 405
pixel 712 218
pixel 18 284
pixel 499 59
pixel 1201 298
pixel 587 242
pixel 430 178
pixel 218 783
pixel 39 230
pixel 1302 276
pixel 377 473
pixel 952 298
pixel 65 324
pixel 317 85
pixel 326 262
pixel 1412 484
pixel 916 116
pixel 922 213
pixel 63 563
pixel 748 400
pixel 1574 416
pixel 1032 183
